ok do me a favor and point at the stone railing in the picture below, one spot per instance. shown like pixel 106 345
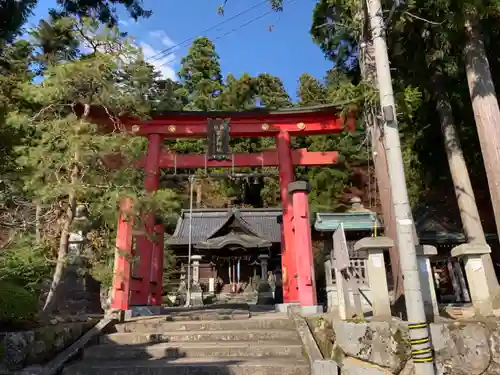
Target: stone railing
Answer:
pixel 369 279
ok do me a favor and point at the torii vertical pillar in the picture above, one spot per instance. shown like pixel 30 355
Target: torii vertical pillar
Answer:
pixel 145 243
pixel 288 263
pixel 303 247
pixel 123 253
pixel 156 279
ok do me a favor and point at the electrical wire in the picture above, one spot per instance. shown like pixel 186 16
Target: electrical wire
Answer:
pixel 230 31
pixel 166 50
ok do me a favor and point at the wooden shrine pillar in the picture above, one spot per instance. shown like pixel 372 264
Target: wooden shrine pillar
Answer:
pixel 123 253
pixel 145 243
pixel 156 278
pixel 288 262
pixel 299 191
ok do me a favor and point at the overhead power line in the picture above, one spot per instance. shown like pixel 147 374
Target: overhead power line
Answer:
pixel 158 55
pixel 231 31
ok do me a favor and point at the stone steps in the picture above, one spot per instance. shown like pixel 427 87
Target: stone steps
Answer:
pixel 192 366
pixel 195 350
pixel 267 344
pixel 182 317
pixel 197 336
pixel 161 325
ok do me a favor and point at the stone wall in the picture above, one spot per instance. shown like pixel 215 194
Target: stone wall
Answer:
pixel 20 349
pixel 381 348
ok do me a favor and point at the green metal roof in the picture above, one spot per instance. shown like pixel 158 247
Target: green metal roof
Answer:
pixel 327 222
pixel 430 230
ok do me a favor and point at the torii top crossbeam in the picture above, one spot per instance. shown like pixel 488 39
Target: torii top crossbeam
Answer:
pixel 324 119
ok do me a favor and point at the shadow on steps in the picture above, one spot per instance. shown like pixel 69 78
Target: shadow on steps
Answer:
pixel 172 361
pixel 255 346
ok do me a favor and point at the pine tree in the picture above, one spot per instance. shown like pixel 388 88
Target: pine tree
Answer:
pixel 62 157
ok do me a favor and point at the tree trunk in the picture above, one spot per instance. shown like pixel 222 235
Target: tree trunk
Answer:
pixel 485 107
pixel 368 72
pixel 469 213
pixel 384 188
pixel 62 253
pixel 199 194
pixel 38 224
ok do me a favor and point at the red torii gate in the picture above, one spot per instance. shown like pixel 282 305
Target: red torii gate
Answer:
pixel 145 288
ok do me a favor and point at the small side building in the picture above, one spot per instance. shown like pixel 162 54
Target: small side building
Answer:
pixel 357 224
pixel 449 275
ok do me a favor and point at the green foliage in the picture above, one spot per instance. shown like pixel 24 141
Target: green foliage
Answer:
pixel 169 269
pixel 201 76
pixel 331 184
pixel 202 88
pixel 17 304
pixel 427 36
pixel 25 264
pixel 13 14
pixel 57 38
pixel 63 152
pixel 57 155
pixel 271 92
pixel 61 157
pixel 104 11
pixel 14 71
pixel 239 93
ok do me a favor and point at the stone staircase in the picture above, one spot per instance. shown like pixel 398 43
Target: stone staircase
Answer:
pixel 194 343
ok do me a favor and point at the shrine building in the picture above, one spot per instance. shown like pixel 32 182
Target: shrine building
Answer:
pixel 236 247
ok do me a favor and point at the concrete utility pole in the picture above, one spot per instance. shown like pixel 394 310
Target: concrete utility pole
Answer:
pixel 419 330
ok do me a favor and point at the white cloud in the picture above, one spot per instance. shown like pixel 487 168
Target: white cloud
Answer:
pixel 123 22
pixel 163 62
pixel 163 38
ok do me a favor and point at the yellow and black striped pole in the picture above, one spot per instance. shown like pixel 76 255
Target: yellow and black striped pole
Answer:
pixel 421 348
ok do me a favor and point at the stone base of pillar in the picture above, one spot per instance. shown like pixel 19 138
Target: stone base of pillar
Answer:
pixel 285 307
pixel 136 311
pixel 311 310
pixel 196 298
pixel 265 294
pixel 481 297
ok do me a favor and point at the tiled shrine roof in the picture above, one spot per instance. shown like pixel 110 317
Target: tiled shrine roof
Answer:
pixel 206 223
pixel 262 225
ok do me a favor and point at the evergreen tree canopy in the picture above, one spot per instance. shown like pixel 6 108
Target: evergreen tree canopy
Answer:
pixel 271 92
pixel 13 15
pixel 201 76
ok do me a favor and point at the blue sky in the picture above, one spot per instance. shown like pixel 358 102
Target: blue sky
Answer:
pixel 244 44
